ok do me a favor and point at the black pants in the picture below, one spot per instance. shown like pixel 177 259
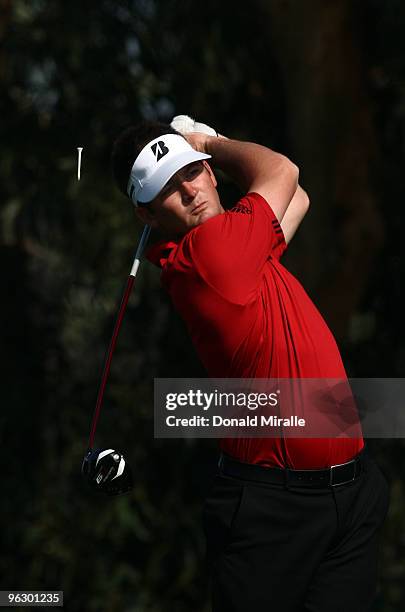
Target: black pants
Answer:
pixel 273 549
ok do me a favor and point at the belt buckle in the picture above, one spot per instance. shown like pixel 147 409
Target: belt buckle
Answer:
pixel 345 481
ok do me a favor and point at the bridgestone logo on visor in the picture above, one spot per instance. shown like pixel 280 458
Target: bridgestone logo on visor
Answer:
pixel 159 150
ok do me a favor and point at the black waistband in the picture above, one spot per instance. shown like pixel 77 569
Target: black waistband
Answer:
pixel 332 476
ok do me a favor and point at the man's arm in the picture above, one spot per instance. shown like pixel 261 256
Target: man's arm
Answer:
pixel 294 214
pixel 253 168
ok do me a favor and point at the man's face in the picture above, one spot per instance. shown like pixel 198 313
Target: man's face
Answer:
pixel 188 199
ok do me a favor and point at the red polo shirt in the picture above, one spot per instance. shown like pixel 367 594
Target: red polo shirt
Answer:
pixel 248 317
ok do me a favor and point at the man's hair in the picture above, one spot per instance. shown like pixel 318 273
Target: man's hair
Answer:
pixel 129 144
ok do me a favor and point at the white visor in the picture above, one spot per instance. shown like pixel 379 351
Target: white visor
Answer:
pixel 158 161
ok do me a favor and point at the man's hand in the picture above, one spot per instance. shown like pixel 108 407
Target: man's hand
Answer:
pixel 194 131
pixel 185 124
pixel 199 141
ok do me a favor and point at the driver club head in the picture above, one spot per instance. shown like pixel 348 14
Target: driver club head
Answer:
pixel 106 470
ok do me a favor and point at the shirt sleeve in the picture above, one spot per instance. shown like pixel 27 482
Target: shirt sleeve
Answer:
pixel 230 250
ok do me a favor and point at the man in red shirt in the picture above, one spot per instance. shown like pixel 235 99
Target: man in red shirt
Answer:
pixel 291 523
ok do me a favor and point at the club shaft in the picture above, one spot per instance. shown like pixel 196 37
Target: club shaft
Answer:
pixel 117 327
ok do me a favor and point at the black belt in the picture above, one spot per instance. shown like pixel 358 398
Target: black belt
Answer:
pixel 332 476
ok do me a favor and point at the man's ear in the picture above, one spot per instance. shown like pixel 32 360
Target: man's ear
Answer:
pixel 146 215
pixel 210 172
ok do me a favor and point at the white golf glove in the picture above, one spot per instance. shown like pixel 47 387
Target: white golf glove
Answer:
pixel 185 124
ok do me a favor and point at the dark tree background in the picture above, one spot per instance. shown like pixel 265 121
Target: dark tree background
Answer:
pixel 322 81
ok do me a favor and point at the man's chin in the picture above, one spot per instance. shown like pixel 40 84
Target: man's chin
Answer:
pixel 204 216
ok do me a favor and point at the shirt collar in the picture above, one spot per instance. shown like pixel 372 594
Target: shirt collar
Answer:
pixel 160 252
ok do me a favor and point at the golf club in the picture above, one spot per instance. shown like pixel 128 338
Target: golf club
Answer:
pixel 106 469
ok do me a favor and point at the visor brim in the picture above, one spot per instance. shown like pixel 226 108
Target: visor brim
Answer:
pixel 155 184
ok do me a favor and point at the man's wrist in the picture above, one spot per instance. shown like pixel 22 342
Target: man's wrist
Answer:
pixel 209 145
pixel 220 149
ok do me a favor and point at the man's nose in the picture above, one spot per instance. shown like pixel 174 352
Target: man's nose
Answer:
pixel 187 190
